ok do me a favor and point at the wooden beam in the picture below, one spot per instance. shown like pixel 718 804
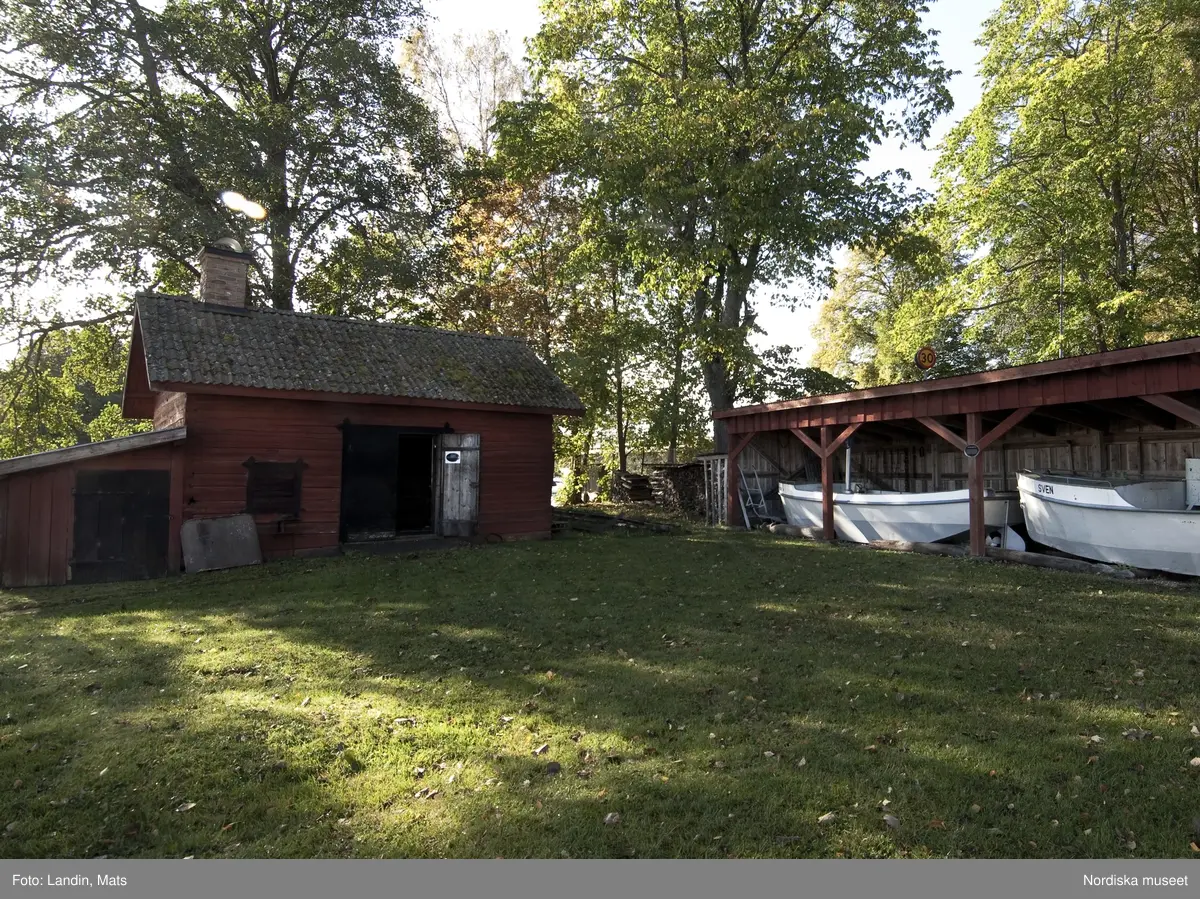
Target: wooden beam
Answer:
pixel 1144 413
pixel 944 432
pixel 1041 424
pixel 827 528
pixel 842 438
pixel 1079 417
pixel 741 443
pixel 90 450
pixel 807 441
pixel 975 484
pixel 1014 418
pixel 1176 407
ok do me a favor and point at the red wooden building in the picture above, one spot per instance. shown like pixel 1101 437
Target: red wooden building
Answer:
pixel 1097 413
pixel 327 430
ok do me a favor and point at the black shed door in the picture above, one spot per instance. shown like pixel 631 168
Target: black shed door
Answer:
pixel 122 525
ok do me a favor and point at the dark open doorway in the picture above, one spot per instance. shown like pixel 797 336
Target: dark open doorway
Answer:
pixel 387 483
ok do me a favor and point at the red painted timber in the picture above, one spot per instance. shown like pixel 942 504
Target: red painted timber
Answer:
pixel 975 487
pixel 516 461
pixel 37 548
pixel 62 526
pixel 40 514
pixel 17 550
pixel 827 527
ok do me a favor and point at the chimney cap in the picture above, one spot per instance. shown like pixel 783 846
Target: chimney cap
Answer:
pixel 229 243
pixel 229 247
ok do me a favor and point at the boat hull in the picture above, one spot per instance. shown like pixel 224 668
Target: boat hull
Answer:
pixel 1095 522
pixel 907 517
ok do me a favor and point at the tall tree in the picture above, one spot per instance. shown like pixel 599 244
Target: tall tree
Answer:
pixel 125 121
pixel 729 135
pixel 888 301
pixel 1074 181
pixel 466 79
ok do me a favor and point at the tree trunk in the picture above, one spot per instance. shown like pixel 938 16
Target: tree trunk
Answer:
pixel 619 363
pixel 676 393
pixel 621 451
pixel 733 321
pixel 283 270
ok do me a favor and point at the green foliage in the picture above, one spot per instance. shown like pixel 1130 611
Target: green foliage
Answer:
pixel 699 127
pixel 1068 201
pixel 1082 153
pixel 124 122
pixel 64 389
pixel 891 300
pixel 781 376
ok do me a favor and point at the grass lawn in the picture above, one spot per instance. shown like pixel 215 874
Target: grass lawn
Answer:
pixel 720 692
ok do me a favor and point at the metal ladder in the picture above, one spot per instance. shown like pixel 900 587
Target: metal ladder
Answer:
pixel 753 498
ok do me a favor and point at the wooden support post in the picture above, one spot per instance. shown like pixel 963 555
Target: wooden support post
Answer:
pixel 827 529
pixel 975 486
pixel 733 509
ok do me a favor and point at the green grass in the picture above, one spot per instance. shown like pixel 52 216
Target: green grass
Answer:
pixel 719 691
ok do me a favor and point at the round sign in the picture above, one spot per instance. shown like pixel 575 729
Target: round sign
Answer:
pixel 970 450
pixel 926 358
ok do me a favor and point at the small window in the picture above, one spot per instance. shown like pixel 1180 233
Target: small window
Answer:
pixel 273 488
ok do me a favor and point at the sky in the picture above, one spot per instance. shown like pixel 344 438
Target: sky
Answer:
pixel 958 23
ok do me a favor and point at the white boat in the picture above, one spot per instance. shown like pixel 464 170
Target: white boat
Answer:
pixel 862 515
pixel 1146 524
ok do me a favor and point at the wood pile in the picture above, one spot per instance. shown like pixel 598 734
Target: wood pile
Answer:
pixel 631 488
pixel 599 523
pixel 679 488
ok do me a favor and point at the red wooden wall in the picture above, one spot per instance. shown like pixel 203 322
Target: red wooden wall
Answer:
pixel 37 514
pixel 516 462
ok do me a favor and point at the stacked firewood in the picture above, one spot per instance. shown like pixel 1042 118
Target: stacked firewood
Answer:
pixel 679 488
pixel 631 488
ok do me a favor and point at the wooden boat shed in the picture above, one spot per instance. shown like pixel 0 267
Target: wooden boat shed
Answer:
pixel 1131 412
pixel 327 430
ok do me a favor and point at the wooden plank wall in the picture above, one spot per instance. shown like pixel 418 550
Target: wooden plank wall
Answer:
pixel 1140 452
pixel 1130 452
pixel 38 513
pixel 516 468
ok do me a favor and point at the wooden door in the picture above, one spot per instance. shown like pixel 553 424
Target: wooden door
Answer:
pixel 122 525
pixel 460 484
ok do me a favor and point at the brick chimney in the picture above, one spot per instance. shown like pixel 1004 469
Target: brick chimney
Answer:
pixel 224 270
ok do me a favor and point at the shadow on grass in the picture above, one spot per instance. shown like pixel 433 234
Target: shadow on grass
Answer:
pixel 719 692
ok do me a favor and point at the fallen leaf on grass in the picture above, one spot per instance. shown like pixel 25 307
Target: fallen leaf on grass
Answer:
pixel 827 818
pixel 307 700
pixel 1195 763
pixel 612 818
pixel 937 824
pixel 229 826
pixel 186 807
pixel 542 750
pixel 891 821
pixel 1195 848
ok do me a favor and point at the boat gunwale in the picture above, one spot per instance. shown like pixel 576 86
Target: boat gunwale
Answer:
pixel 864 499
pixel 1101 485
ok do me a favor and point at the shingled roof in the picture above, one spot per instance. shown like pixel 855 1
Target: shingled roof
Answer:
pixel 189 342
